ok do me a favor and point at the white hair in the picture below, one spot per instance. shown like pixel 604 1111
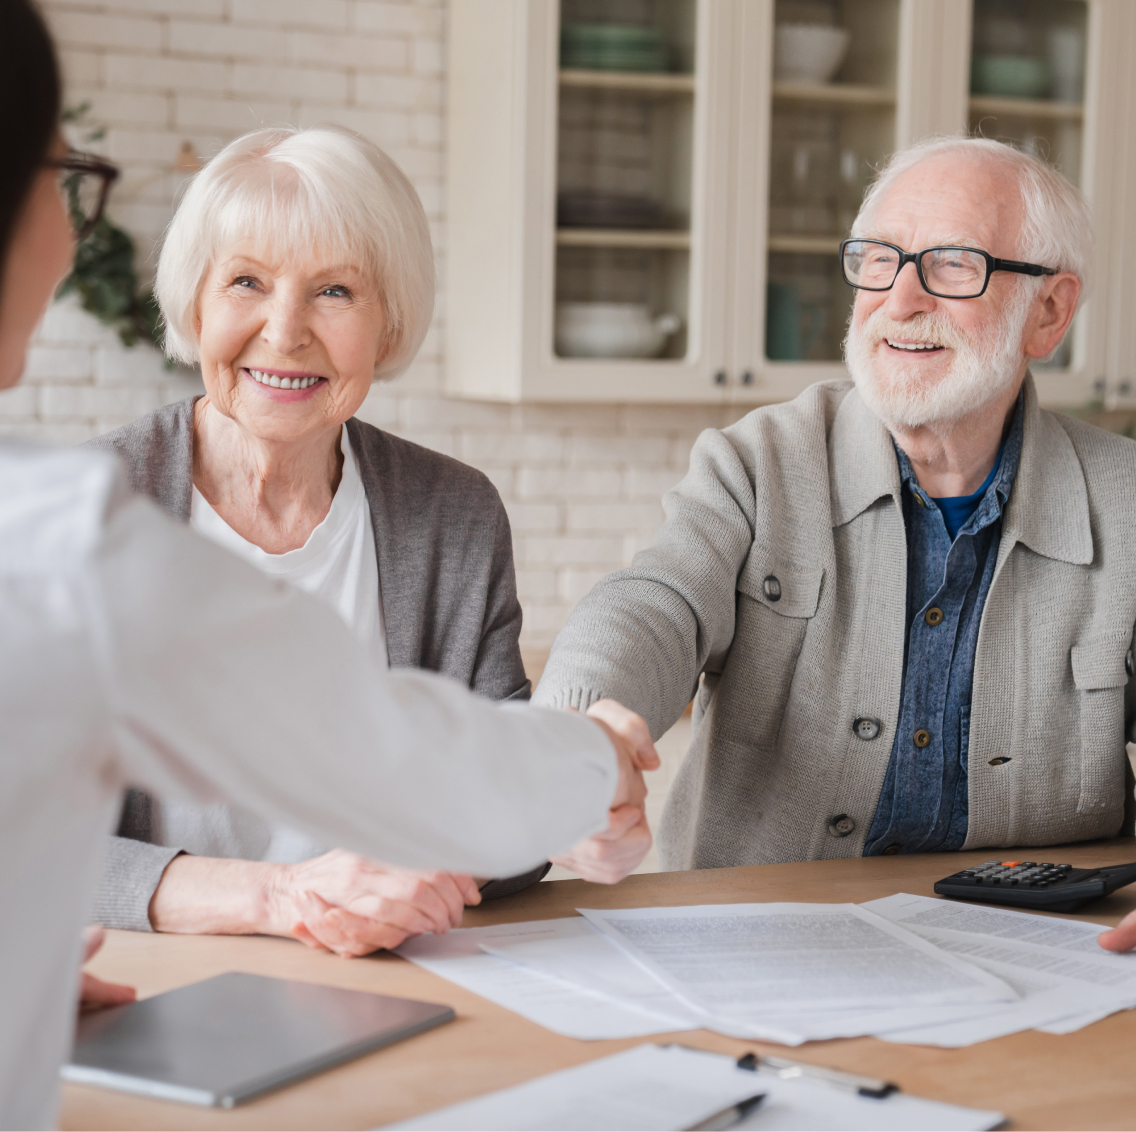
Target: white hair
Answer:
pixel 1056 227
pixel 323 187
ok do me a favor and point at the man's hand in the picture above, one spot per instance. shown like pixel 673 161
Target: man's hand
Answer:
pixel 1122 937
pixel 94 994
pixel 351 905
pixel 607 857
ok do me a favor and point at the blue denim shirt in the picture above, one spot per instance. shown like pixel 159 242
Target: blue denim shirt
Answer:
pixel 923 806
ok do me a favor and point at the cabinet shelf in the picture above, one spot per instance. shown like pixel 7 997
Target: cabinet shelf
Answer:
pixel 835 93
pixel 805 245
pixel 641 82
pixel 1027 108
pixel 644 238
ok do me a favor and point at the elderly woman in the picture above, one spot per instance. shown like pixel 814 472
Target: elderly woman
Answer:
pixel 297 270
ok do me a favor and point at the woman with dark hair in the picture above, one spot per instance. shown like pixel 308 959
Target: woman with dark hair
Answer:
pixel 133 651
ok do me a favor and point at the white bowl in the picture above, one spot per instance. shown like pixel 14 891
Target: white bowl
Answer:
pixel 611 330
pixel 808 53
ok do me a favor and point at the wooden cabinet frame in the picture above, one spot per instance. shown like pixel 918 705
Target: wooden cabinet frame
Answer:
pixel 501 229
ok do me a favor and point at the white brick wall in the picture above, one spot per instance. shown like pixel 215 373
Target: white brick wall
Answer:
pixel 581 483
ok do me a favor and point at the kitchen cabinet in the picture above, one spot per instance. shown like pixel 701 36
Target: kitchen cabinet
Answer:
pixel 672 178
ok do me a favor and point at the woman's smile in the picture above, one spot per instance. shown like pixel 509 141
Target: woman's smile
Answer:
pixel 284 385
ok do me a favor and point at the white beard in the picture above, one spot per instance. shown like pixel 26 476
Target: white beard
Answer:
pixel 981 373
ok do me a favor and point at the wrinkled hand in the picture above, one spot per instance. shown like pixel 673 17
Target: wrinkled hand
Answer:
pixel 607 857
pixel 351 905
pixel 1122 937
pixel 94 994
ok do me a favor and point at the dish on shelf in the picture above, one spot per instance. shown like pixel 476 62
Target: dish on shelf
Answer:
pixel 611 330
pixel 808 53
pixel 613 47
pixel 1011 76
pixel 585 208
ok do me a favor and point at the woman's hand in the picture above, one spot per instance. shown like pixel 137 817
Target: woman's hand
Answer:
pixel 94 994
pixel 341 901
pixel 351 905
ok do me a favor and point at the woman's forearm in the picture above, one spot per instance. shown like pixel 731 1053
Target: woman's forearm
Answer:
pixel 214 896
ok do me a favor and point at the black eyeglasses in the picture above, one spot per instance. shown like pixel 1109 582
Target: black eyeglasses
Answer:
pixel 947 273
pixel 86 181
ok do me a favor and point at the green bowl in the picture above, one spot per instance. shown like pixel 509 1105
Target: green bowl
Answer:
pixel 611 35
pixel 1011 76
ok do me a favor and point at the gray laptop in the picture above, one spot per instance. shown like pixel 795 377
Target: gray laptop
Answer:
pixel 231 1038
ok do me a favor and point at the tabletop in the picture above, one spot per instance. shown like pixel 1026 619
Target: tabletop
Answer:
pixel 1082 1080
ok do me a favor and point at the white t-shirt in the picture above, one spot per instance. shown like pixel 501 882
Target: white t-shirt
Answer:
pixel 337 565
pixel 132 651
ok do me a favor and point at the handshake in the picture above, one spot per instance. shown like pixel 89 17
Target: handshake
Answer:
pixel 608 857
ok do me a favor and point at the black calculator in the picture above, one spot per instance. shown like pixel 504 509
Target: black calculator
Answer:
pixel 1029 884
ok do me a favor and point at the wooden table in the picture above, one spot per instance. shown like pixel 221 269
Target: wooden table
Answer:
pixel 1081 1080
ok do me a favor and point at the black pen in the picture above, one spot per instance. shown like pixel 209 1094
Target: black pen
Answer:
pixel 728 1117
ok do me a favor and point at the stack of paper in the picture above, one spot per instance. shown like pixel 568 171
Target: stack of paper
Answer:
pixel 906 968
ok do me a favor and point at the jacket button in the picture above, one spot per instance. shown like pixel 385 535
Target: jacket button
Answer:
pixel 841 825
pixel 865 727
pixel 1129 666
pixel 891 850
pixel 772 588
pixel 922 738
pixel 933 616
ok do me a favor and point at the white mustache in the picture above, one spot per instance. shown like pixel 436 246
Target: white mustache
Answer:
pixel 927 326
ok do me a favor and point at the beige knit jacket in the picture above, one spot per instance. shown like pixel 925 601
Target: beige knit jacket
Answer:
pixel 808 494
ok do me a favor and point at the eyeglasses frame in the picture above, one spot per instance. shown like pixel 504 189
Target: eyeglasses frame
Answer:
pixel 992 264
pixel 78 162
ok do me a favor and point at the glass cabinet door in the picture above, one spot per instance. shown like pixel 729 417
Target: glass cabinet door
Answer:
pixel 1027 78
pixel 624 178
pixel 833 122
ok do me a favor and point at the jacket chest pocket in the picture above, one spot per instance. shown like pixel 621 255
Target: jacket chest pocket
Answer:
pixel 1100 678
pixel 775 603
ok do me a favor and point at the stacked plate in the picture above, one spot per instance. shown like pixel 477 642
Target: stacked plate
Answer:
pixel 588 209
pixel 613 47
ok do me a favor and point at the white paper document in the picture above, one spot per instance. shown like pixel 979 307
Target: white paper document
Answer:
pixel 575 952
pixel 565 1008
pixel 1064 979
pixel 669 1087
pixel 769 965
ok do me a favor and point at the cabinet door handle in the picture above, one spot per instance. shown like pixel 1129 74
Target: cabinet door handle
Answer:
pixel 720 377
pixel 746 377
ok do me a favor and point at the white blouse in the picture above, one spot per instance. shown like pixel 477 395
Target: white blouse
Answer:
pixel 132 651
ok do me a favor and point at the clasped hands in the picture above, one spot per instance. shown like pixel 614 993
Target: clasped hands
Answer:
pixel 350 905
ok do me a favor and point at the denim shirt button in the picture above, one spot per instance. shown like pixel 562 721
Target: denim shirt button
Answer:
pixel 933 616
pixel 866 728
pixel 841 825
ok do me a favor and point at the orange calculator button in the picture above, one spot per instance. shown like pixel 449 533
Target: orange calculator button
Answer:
pixel 1010 864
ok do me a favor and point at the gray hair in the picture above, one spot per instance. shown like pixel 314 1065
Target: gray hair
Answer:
pixel 1056 227
pixel 322 187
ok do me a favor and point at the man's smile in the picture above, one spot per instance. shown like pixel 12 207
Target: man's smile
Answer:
pixel 924 347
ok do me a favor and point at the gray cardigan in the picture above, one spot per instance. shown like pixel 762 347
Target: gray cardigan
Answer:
pixel 448 592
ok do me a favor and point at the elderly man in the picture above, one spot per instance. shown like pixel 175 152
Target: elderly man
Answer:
pixel 905 603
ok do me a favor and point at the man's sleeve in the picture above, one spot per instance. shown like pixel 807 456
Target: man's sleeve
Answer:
pixel 643 635
pixel 227 685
